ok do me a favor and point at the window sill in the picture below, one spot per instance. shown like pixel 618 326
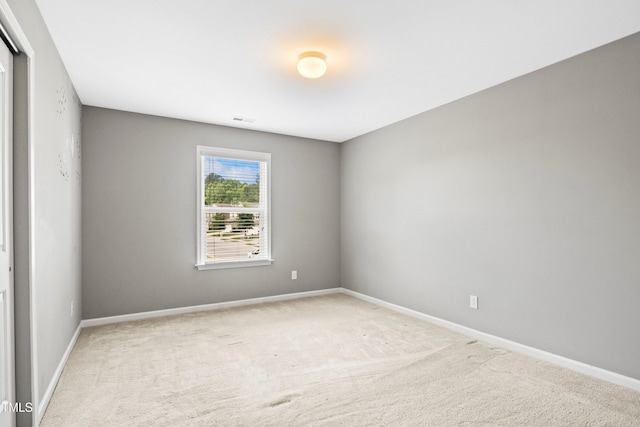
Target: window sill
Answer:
pixel 234 264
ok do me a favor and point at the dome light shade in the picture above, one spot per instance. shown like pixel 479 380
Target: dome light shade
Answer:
pixel 312 64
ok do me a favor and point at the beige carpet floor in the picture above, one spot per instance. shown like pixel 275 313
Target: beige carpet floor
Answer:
pixel 330 360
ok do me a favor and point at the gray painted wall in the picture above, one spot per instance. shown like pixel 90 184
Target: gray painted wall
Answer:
pixel 53 259
pixel 139 215
pixel 526 195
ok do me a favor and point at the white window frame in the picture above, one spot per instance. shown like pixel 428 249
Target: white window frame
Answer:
pixel 228 153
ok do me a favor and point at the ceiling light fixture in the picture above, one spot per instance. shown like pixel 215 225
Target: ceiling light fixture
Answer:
pixel 312 64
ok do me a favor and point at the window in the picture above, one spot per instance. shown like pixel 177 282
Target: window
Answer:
pixel 233 208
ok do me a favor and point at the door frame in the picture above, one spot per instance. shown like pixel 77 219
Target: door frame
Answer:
pixel 7 412
pixel 14 30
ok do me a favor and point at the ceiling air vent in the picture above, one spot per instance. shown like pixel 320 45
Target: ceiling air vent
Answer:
pixel 244 120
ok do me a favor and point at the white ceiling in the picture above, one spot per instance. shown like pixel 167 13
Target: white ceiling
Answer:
pixel 213 60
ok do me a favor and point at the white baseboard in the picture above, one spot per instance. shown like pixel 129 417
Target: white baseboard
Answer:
pixel 42 406
pixel 204 307
pixel 574 365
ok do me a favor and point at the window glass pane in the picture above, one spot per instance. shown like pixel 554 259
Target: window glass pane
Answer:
pixel 230 182
pixel 233 236
pixel 233 213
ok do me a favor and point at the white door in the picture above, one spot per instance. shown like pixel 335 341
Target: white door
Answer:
pixel 7 380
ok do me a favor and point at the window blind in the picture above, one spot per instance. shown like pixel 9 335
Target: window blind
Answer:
pixel 234 209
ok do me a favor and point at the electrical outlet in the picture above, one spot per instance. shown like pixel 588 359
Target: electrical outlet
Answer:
pixel 72 307
pixel 294 274
pixel 473 302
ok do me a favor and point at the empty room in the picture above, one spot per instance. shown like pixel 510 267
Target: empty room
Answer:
pixel 281 213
